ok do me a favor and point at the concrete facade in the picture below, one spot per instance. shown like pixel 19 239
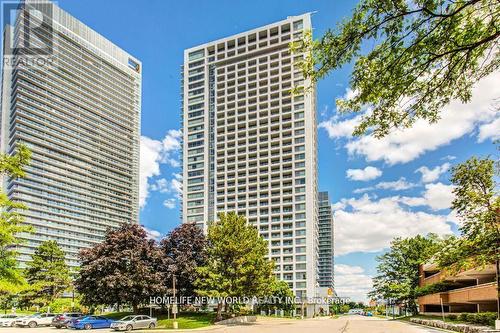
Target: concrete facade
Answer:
pixel 80 116
pixel 325 242
pixel 250 146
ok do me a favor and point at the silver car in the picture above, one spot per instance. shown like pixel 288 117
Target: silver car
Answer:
pixel 130 323
pixel 8 320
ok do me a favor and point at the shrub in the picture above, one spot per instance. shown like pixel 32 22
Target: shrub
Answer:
pixel 452 317
pixel 483 318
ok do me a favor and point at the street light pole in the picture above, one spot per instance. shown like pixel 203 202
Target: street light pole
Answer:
pixel 174 308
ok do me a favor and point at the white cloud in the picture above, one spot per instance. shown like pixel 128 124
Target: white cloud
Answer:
pixel 448 158
pixel 338 128
pixel 149 165
pixel 431 175
pixel 437 196
pixel 347 269
pixel 352 281
pixel 169 203
pixel 365 174
pixel 490 131
pixel 173 185
pixel 368 224
pixel 402 146
pixel 398 185
pixel 152 234
pixel 153 153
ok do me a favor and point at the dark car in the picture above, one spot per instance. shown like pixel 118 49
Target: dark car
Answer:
pixel 62 320
pixel 90 322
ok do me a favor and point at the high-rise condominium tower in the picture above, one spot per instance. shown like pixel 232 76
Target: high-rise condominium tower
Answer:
pixel 325 244
pixel 79 113
pixel 250 146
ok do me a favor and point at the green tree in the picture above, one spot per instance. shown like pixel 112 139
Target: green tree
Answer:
pixel 124 269
pixel 11 220
pixel 184 250
pixel 283 295
pixel 410 57
pixel 236 261
pixel 398 269
pixel 47 274
pixel 477 204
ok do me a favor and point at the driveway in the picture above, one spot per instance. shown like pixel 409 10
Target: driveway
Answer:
pixel 344 324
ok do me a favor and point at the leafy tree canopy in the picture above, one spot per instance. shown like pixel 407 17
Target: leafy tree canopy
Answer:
pixel 124 269
pixel 47 274
pixel 410 57
pixel 477 204
pixel 184 249
pixel 236 261
pixel 11 219
pixel 398 269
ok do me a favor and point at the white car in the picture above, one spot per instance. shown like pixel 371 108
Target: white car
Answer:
pixel 42 319
pixel 8 320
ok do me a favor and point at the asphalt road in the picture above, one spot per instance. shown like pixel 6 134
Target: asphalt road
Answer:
pixel 344 324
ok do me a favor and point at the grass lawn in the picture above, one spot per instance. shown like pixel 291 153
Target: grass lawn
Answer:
pixel 185 320
pixel 188 320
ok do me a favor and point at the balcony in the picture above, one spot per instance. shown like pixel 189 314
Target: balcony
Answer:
pixel 486 292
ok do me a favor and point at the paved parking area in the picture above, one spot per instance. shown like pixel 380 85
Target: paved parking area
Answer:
pixel 345 324
pixel 48 330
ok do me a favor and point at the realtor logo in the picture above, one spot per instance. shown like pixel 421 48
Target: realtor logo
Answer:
pixel 28 33
pixel 31 30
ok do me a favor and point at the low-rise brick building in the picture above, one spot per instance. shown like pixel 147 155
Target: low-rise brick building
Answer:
pixel 473 290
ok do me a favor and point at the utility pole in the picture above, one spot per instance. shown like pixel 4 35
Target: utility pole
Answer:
pixel 174 307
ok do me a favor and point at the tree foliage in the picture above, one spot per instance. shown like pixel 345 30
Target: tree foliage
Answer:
pixel 281 291
pixel 236 261
pixel 11 219
pixel 410 57
pixel 184 250
pixel 477 204
pixel 398 269
pixel 47 274
pixel 124 269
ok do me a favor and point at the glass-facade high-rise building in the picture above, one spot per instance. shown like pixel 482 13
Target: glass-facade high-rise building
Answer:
pixel 80 116
pixel 250 146
pixel 325 242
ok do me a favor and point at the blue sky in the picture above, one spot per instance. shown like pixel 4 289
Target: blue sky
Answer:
pixel 380 189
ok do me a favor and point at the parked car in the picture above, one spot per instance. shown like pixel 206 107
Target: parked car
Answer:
pixel 368 314
pixel 355 312
pixel 130 323
pixel 63 319
pixel 8 320
pixel 41 319
pixel 89 322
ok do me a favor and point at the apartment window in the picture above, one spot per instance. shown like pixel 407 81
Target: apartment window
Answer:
pixel 195 180
pixel 195 218
pixel 199 54
pixel 195 203
pixel 299 115
pixel 300 216
pixel 195 188
pixel 195 210
pixel 298 25
pixel 195 195
pixel 300 156
pixel 300 258
pixel 300 207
